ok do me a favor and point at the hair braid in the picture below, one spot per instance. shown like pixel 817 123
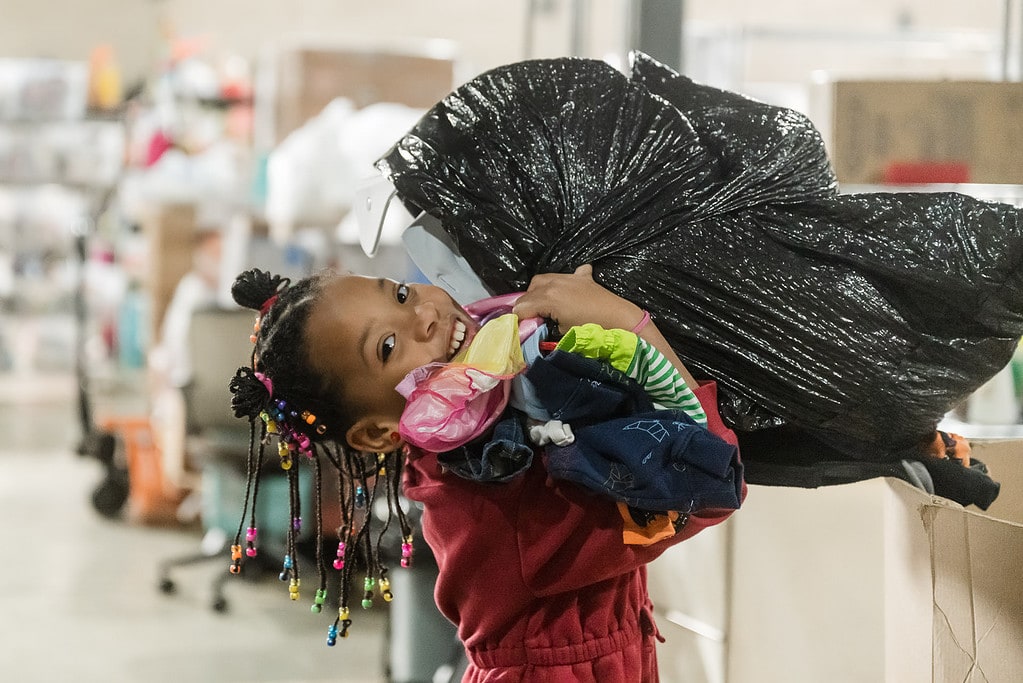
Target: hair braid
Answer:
pixel 305 411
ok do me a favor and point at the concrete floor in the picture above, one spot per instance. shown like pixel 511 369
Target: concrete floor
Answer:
pixel 78 592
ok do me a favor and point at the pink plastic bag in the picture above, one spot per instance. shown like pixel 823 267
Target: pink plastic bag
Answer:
pixel 450 404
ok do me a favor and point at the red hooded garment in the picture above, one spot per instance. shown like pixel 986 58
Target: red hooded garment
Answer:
pixel 536 576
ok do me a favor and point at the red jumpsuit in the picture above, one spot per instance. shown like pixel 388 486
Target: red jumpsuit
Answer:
pixel 536 576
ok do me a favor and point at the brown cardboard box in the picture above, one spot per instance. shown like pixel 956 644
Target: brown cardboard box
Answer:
pixel 307 79
pixel 871 581
pixel 169 231
pixel 1004 459
pixel 876 123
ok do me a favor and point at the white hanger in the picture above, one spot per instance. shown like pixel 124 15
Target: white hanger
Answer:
pixel 375 208
pixel 426 242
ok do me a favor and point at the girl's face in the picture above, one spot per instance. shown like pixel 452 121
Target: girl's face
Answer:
pixel 369 333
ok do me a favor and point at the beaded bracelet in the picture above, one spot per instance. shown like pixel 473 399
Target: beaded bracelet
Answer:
pixel 642 322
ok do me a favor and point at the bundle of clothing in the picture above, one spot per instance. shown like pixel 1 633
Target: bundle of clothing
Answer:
pixel 605 408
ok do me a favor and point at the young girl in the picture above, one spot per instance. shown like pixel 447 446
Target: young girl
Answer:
pixel 533 571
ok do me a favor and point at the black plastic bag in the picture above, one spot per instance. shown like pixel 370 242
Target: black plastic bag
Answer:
pixel 859 319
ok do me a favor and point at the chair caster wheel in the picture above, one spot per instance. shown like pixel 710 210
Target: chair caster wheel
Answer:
pixel 220 605
pixel 110 495
pixel 167 587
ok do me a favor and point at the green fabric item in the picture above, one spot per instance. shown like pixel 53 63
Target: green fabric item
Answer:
pixel 617 347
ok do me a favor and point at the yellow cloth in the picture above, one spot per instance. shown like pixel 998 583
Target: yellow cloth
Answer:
pixel 495 349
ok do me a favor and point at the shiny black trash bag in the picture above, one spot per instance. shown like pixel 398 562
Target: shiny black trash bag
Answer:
pixel 859 319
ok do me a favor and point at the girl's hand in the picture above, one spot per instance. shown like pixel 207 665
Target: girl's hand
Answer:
pixel 576 299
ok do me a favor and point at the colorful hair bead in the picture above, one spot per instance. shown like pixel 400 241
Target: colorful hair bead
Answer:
pixel 321 597
pixel 368 584
pixel 406 552
pixel 360 496
pixel 339 563
pixel 296 523
pixel 293 588
pixel 332 635
pixel 250 541
pixel 286 570
pixel 385 586
pixel 236 559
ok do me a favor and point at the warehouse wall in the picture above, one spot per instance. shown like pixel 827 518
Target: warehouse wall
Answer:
pixel 488 33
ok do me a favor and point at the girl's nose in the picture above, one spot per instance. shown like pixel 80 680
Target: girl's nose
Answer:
pixel 426 319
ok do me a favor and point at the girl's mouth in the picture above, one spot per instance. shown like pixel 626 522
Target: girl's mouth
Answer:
pixel 458 337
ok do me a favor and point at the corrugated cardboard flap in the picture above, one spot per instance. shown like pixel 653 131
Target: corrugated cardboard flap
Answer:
pixel 976 568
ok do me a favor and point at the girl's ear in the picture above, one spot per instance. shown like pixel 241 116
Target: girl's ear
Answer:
pixel 373 435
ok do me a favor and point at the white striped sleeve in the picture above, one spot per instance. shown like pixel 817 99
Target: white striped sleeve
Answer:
pixel 663 382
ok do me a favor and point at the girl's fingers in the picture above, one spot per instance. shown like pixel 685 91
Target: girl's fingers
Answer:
pixel 586 270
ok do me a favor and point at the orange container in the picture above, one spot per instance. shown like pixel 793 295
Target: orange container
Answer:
pixel 151 498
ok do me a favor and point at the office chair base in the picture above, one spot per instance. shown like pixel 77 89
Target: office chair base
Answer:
pixel 214 546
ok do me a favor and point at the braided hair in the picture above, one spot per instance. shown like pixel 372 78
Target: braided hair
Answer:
pixel 282 396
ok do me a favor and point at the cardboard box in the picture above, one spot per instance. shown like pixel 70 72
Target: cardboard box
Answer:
pixel 308 79
pixel 878 123
pixel 1004 459
pixel 169 231
pixel 871 581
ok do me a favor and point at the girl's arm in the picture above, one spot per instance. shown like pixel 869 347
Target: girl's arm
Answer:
pixel 576 299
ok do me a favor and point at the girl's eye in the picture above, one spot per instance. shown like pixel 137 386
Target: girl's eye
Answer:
pixel 387 347
pixel 402 293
